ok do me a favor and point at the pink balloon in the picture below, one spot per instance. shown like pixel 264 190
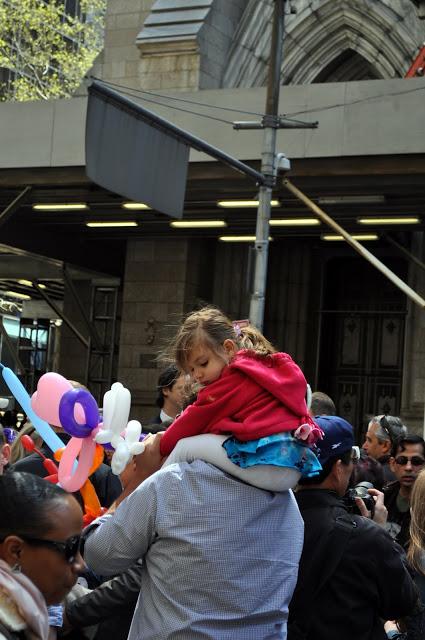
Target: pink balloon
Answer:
pixel 84 448
pixel 45 401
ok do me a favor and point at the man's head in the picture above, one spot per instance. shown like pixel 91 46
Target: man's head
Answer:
pixel 4 451
pixel 321 405
pixel 382 433
pixel 335 454
pixel 407 462
pixel 170 391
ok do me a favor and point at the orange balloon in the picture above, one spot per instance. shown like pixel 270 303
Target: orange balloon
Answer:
pixel 91 501
pixel 58 454
pixel 97 459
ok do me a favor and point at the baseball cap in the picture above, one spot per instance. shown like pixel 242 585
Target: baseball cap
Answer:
pixel 338 437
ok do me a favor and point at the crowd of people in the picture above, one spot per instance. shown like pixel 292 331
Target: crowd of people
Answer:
pixel 251 514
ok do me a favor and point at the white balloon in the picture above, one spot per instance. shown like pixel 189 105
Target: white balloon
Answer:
pixel 120 458
pixel 133 431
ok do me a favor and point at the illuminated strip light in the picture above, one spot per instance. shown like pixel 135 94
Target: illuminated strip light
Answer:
pixel 364 236
pixel 112 224
pixel 15 294
pixel 382 220
pixel 135 206
pixel 239 238
pixel 75 206
pixel 28 283
pixel 294 222
pixel 242 204
pixel 198 224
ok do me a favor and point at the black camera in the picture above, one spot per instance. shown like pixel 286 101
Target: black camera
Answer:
pixel 360 491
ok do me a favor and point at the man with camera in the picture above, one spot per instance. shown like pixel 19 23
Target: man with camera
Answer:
pixel 351 575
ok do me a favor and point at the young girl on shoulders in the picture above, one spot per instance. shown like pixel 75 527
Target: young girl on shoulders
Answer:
pixel 251 396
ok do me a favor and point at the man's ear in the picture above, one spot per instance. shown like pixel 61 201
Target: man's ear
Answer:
pixel 5 454
pixel 386 447
pixel 392 464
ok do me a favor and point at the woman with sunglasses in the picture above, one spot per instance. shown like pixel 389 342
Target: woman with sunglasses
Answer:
pixel 40 526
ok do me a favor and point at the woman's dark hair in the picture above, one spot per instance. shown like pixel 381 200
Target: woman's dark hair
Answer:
pixel 26 502
pixel 327 468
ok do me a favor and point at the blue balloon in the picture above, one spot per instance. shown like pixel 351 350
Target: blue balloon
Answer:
pixel 42 427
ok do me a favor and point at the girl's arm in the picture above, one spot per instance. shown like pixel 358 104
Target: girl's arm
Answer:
pixel 190 423
pixel 218 400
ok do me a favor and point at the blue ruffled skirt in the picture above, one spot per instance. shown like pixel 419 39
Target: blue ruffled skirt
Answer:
pixel 280 449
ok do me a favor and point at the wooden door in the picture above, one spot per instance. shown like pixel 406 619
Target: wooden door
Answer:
pixel 362 339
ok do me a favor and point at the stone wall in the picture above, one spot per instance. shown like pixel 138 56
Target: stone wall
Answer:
pixel 414 352
pixel 163 280
pixel 120 59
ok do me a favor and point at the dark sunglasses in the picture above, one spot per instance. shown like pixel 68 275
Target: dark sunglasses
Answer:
pixel 416 461
pixel 70 548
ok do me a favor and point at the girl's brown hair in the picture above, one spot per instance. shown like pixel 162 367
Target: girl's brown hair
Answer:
pixel 416 550
pixel 211 327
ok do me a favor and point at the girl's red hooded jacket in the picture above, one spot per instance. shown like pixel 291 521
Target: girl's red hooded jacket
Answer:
pixel 255 396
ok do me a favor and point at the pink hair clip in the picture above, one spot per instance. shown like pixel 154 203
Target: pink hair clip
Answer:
pixel 238 326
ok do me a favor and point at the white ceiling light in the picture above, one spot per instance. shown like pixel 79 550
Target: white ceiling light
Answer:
pixel 135 206
pixel 16 294
pixel 388 220
pixel 112 224
pixel 360 236
pixel 294 222
pixel 28 283
pixel 242 204
pixel 239 238
pixel 71 206
pixel 198 224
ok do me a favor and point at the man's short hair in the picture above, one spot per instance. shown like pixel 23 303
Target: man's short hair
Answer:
pixel 166 380
pixel 401 443
pixel 322 405
pixel 388 428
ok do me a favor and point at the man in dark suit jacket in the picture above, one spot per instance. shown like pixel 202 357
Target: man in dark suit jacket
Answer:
pixel 169 399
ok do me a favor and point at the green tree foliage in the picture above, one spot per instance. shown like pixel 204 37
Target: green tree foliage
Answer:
pixel 46 46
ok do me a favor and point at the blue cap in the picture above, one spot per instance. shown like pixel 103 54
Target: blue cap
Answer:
pixel 338 437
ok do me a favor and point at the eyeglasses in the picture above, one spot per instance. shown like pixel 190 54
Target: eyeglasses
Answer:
pixel 355 454
pixel 70 548
pixel 416 461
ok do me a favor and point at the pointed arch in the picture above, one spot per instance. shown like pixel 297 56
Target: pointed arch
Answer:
pixel 346 67
pixel 383 33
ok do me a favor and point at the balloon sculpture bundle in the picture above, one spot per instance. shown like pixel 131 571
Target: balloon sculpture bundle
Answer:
pixel 57 402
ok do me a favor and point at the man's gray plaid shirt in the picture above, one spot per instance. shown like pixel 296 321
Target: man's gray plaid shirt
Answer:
pixel 220 557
